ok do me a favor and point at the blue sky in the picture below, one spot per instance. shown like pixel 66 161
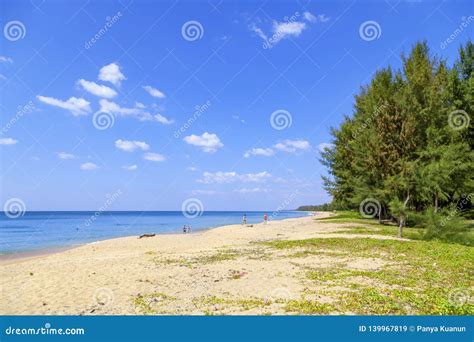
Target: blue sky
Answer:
pixel 186 91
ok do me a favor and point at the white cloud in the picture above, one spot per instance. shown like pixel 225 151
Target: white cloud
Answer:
pixel 136 112
pixel 209 142
pixel 232 177
pixel 4 59
pixel 322 18
pixel 323 146
pixel 191 168
pixel 130 146
pixel 139 105
pixel 292 146
pixel 253 27
pixel 111 73
pixel 130 167
pixel 77 106
pixel 155 157
pixel 266 152
pixel 287 29
pixel 65 155
pixel 8 141
pixel 154 92
pixel 309 17
pixel 97 89
pixel 88 166
pixel 161 119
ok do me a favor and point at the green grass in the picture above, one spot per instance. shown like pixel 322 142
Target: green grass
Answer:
pixel 149 304
pixel 422 277
pixel 244 304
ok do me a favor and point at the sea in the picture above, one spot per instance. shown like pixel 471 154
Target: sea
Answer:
pixel 43 230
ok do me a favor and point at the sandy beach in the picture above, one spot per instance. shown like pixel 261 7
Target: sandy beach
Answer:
pixel 226 270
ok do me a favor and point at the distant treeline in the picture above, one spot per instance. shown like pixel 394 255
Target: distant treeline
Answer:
pixel 406 151
pixel 320 207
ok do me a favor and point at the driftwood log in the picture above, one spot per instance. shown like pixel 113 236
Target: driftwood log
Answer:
pixel 146 235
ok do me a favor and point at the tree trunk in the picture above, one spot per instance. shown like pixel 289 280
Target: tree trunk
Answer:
pixel 436 203
pixel 401 221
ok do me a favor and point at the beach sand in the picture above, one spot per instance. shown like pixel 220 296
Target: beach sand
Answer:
pixel 226 270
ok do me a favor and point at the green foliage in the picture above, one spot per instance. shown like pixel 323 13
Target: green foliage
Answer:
pixel 400 146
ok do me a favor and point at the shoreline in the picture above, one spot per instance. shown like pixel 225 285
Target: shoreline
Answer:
pixel 13 257
pixel 228 270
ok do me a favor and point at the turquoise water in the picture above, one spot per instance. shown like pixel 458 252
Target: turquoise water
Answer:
pixel 48 229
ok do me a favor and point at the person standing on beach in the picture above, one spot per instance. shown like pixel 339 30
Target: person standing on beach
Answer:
pixel 244 219
pixel 265 218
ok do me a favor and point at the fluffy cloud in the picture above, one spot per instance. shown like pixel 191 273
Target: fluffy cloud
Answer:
pixel 161 119
pixel 286 29
pixel 155 157
pixel 154 92
pixel 209 142
pixel 137 112
pixel 4 59
pixel 8 141
pixel 232 177
pixel 111 73
pixel 130 146
pixel 65 155
pixel 266 152
pixel 97 89
pixel 292 146
pixel 130 167
pixel 77 106
pixel 88 166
